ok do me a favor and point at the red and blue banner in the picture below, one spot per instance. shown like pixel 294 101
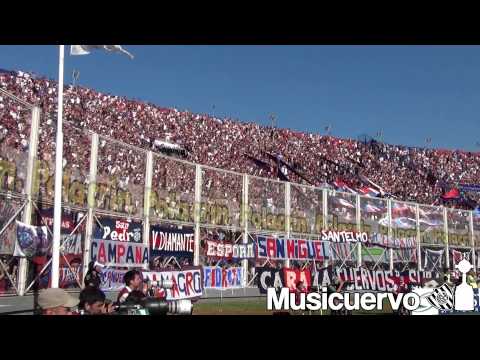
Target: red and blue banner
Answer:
pixel 216 277
pixel 224 250
pixel 187 283
pixel 118 230
pixel 166 241
pixel 118 253
pixel 278 278
pixel 292 249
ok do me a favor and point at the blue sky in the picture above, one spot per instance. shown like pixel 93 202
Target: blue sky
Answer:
pixel 409 92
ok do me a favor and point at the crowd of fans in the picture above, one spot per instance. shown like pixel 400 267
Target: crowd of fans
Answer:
pixel 413 174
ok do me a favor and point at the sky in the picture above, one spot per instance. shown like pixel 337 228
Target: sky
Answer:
pixel 409 93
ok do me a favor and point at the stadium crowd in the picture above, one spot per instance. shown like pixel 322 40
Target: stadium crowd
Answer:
pixel 413 174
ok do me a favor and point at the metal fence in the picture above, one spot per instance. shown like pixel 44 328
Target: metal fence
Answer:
pixel 104 177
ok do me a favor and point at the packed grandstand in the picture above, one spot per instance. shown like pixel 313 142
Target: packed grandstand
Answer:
pixel 428 176
pixel 373 169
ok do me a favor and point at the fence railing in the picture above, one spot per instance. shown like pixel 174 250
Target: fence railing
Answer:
pixel 105 177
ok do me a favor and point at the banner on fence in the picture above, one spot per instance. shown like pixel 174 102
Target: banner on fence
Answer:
pixel 117 253
pixel 293 249
pixel 187 283
pixel 469 187
pixel 71 242
pixel 165 241
pixel 218 278
pixel 8 237
pixel 70 277
pixel 118 230
pixel 433 259
pixel 458 255
pixel 375 254
pixel 31 240
pixel 476 300
pixel 394 242
pixel 279 278
pixel 344 252
pixel 112 280
pixel 372 280
pixel 344 236
pixel 229 251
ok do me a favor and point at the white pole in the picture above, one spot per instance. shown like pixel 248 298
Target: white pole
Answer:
pixel 91 203
pixel 419 238
pixel 445 229
pixel 146 202
pixel 470 224
pixel 27 214
pixel 287 217
pixel 358 221
pixel 245 227
pixel 57 215
pixel 198 199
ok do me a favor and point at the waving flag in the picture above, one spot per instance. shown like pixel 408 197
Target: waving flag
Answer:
pixel 476 212
pixel 400 209
pixel 430 222
pixel 86 49
pixel 453 194
pixel 457 256
pixel 368 191
pixel 378 188
pixel 342 186
pixel 345 203
pixel 372 209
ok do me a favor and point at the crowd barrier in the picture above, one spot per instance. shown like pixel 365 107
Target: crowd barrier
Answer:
pixel 175 209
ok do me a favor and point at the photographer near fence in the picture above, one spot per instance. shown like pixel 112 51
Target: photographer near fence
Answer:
pixel 133 281
pixel 93 302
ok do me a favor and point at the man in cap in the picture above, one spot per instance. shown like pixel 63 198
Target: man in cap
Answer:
pixel 56 302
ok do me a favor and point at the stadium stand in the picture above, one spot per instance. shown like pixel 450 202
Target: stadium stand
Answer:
pixel 405 173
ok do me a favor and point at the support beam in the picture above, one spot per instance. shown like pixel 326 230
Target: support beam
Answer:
pixel 287 217
pixel 419 238
pixel 27 212
pixel 358 218
pixel 472 237
pixel 445 229
pixel 146 201
pixel 92 182
pixel 390 232
pixel 198 199
pixel 244 225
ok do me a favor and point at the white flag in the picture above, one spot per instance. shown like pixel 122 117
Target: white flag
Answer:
pixel 85 49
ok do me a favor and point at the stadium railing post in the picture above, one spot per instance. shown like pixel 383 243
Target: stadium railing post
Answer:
pixel 27 212
pixel 92 181
pixel 472 239
pixel 245 226
pixel 445 230
pixel 198 198
pixel 359 229
pixel 287 216
pixel 325 218
pixel 390 232
pixel 419 238
pixel 146 201
pixel 325 209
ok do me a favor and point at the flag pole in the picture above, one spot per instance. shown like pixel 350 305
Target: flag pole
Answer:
pixel 57 215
